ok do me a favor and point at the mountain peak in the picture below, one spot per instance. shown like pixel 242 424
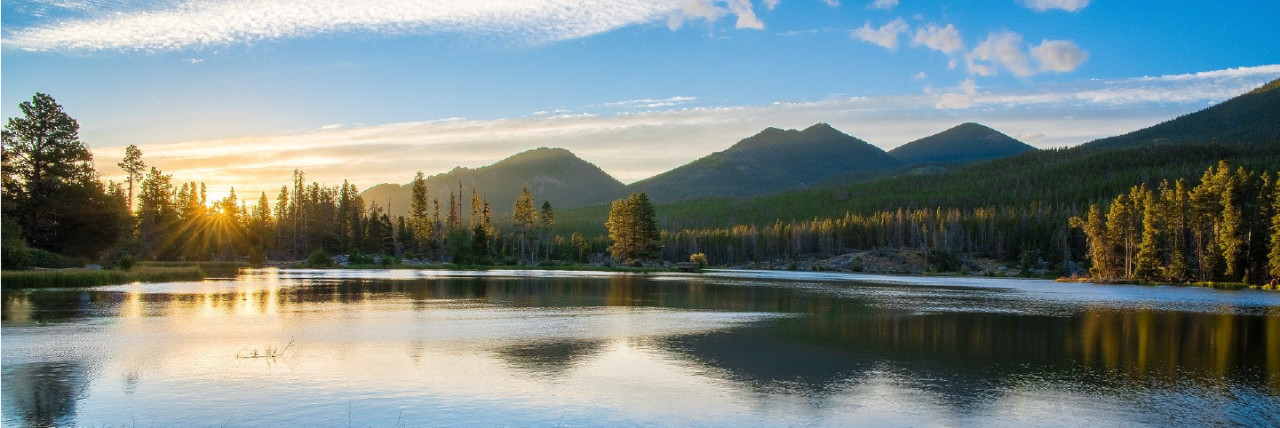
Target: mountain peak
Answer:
pixel 770 161
pixel 552 174
pixel 964 143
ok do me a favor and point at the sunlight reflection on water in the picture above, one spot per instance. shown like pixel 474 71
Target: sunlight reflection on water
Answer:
pixel 407 347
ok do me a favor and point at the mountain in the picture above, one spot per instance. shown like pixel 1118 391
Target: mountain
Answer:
pixel 554 175
pixel 962 144
pixel 1244 130
pixel 771 161
pixel 1251 118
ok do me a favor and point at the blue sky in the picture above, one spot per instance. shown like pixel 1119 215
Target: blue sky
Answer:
pixel 243 91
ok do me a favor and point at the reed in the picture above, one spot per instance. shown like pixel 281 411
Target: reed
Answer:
pixel 71 278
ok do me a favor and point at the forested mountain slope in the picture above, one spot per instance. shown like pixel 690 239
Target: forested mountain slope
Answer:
pixel 554 175
pixel 770 161
pixel 962 144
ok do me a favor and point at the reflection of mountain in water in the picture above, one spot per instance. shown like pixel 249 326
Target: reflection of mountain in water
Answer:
pixel 549 357
pixel 957 355
pixel 835 340
pixel 44 394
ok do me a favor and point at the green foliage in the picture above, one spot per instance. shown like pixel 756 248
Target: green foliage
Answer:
pixel 1273 257
pixel 1225 216
pixel 633 228
pixel 359 259
pixel 15 256
pixel 50 187
pixel 118 259
pixel 51 260
pixel 944 261
pixel 319 259
pixel 698 259
pixel 459 244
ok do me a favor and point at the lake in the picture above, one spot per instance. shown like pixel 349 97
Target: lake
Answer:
pixel 724 348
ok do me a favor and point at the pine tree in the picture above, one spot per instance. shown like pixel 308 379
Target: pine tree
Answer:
pixel 133 168
pixel 1148 266
pixel 548 220
pixel 419 205
pixel 1230 237
pixel 633 227
pixel 1274 256
pixel 524 218
pixel 1176 205
pixel 49 185
pixel 1120 233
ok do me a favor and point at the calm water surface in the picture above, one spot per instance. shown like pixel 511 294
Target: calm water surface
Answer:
pixel 728 348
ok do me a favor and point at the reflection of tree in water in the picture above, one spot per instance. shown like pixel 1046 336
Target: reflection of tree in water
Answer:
pixel 549 357
pixel 969 359
pixel 44 394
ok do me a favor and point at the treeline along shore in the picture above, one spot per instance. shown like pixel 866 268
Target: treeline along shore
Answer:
pixel 1220 227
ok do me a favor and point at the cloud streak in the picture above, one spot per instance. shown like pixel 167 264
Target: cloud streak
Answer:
pixel 633 146
pixel 886 35
pixel 209 23
pixel 1067 5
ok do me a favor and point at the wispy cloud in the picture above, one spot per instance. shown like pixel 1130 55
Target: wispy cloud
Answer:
pixel 886 35
pixel 637 145
pixel 962 97
pixel 164 25
pixel 883 4
pixel 942 39
pixel 651 103
pixel 1067 5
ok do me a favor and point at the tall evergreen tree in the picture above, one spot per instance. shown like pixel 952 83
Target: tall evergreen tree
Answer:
pixel 1273 257
pixel 524 218
pixel 1176 204
pixel 419 211
pixel 1121 233
pixel 50 187
pixel 633 227
pixel 1148 266
pixel 133 169
pixel 1231 229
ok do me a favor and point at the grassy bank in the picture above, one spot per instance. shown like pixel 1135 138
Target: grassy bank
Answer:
pixel 142 272
pixel 69 278
pixel 1205 284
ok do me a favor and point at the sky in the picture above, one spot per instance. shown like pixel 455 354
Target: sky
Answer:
pixel 241 92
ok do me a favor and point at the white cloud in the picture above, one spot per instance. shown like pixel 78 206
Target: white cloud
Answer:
pixel 941 39
pixel 832 3
pixel 886 36
pixel 746 16
pixel 962 97
pixel 638 145
pixel 883 4
pixel 1002 49
pixel 710 11
pixel 1067 5
pixel 920 76
pixel 165 25
pixel 770 4
pixel 1058 55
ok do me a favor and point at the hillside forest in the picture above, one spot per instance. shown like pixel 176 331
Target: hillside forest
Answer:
pixel 1210 216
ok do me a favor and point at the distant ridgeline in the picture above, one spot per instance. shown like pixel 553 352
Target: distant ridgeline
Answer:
pixel 780 194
